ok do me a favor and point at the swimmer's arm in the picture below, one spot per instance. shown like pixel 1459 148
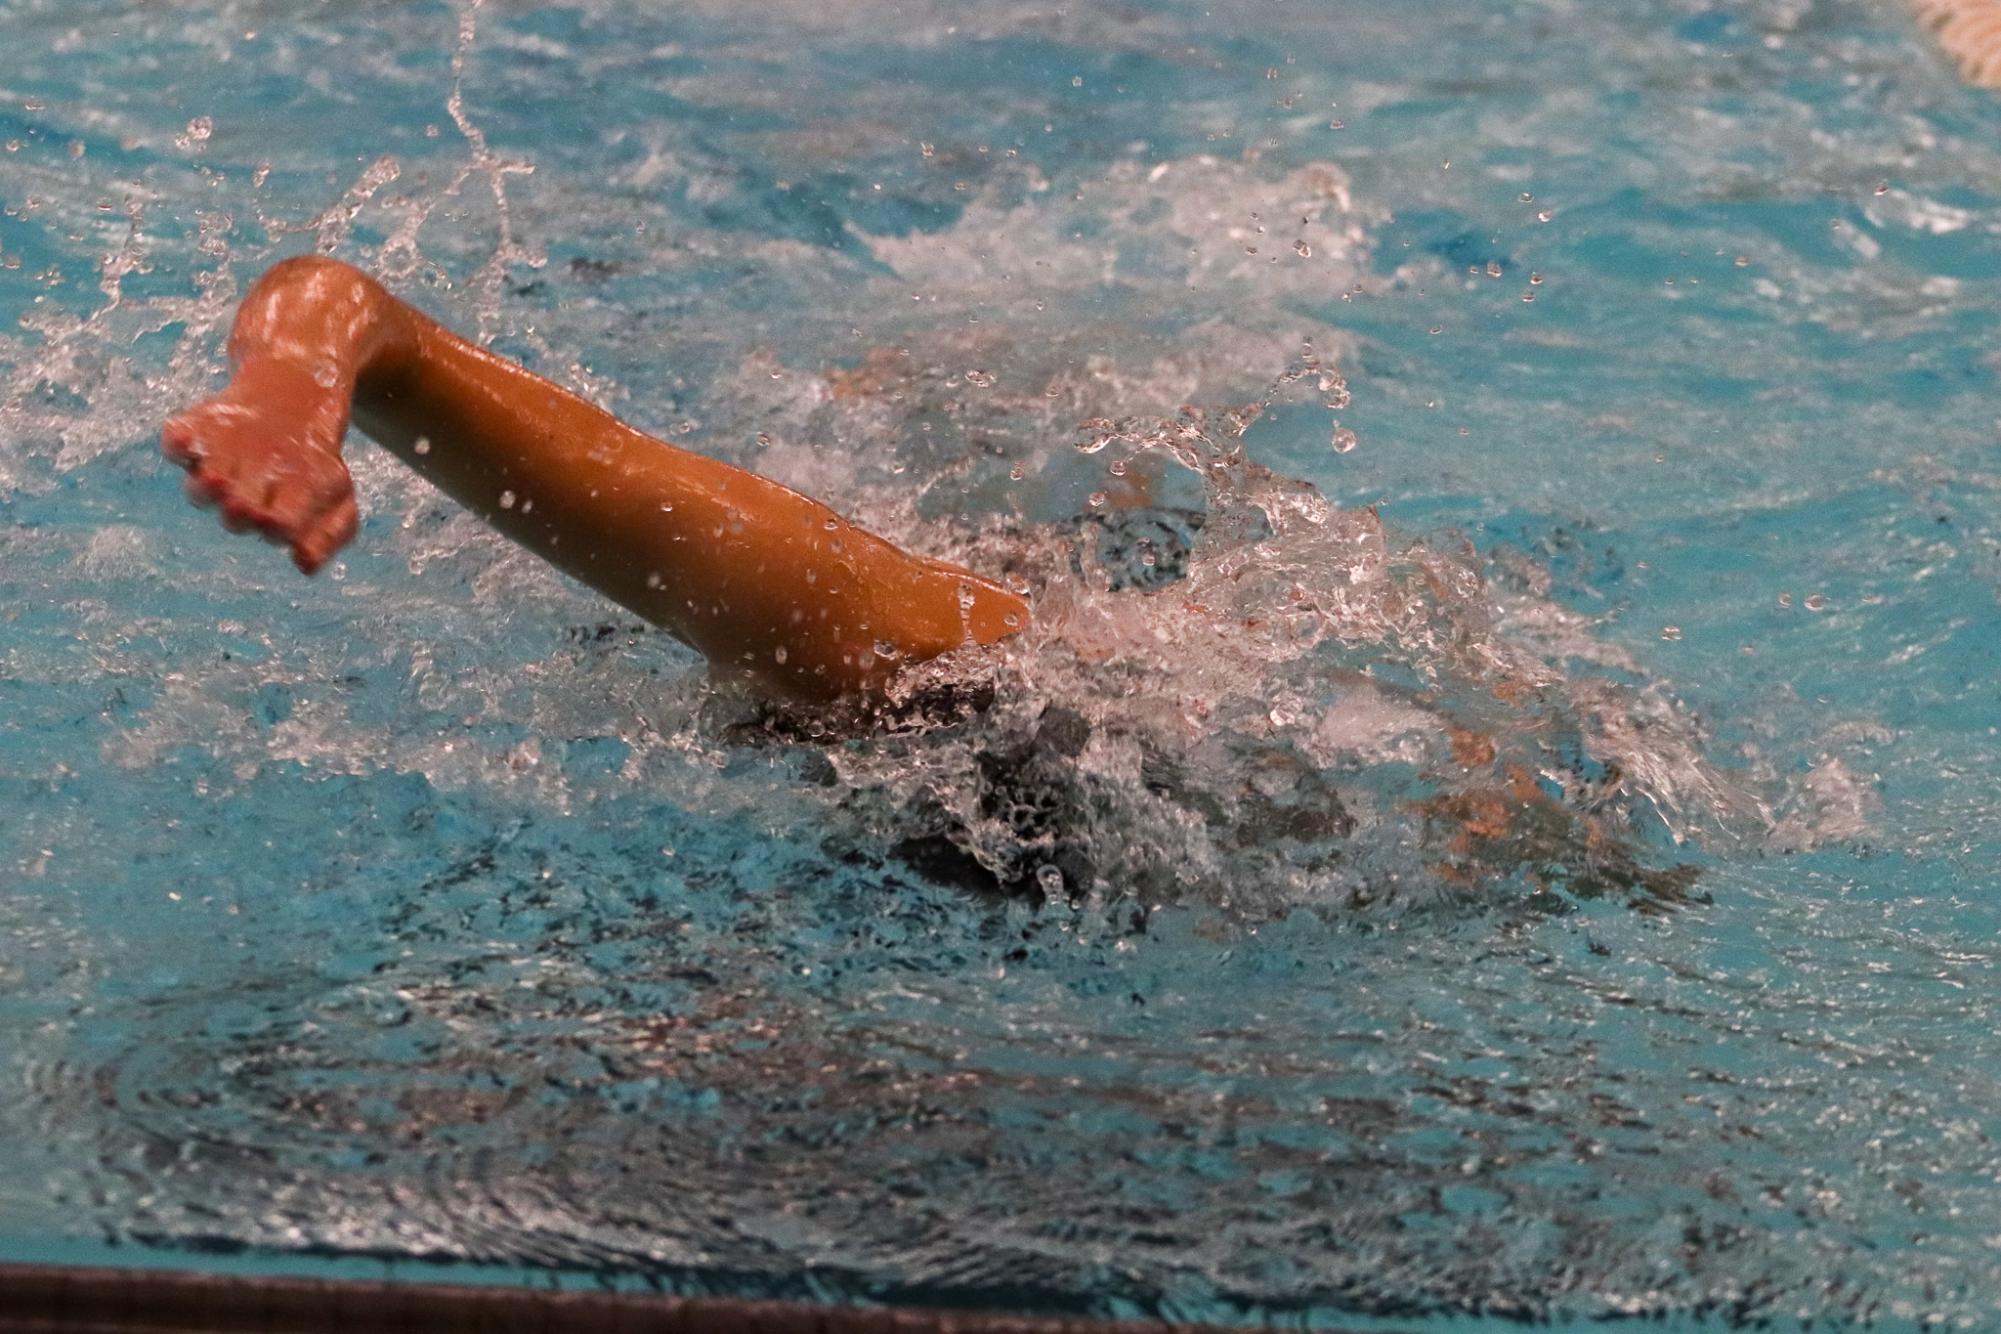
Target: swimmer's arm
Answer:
pixel 757 577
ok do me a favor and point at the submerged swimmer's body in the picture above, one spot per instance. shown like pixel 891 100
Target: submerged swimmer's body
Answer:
pixel 768 585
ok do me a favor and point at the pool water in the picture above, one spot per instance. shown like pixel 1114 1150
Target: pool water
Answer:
pixel 429 918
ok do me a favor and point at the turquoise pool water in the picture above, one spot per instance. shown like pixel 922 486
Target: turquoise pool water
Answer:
pixel 427 915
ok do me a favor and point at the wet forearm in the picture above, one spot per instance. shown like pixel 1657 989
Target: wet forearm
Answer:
pixel 749 572
pixel 755 576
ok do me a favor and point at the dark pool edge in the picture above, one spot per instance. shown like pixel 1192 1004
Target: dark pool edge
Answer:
pixel 48 1299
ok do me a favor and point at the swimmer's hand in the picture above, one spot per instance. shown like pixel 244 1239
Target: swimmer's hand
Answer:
pixel 266 452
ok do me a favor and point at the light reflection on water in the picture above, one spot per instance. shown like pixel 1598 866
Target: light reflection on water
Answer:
pixel 428 909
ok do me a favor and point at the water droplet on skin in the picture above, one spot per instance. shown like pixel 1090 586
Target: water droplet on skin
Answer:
pixel 1344 440
pixel 1815 602
pixel 422 445
pixel 983 379
pixel 507 500
pixel 1017 472
pixel 1337 125
pixel 1098 500
pixel 1882 187
pixel 1010 620
pixel 1743 261
pixel 1670 632
pixel 1527 198
pixel 1544 215
pixel 926 150
pixel 763 440
pixel 1118 468
pixel 1493 268
pixel 1785 599
pixel 666 507
pixel 885 649
pixel 832 525
pixel 1535 280
pixel 1528 296
pixel 1303 250
pixel 1436 329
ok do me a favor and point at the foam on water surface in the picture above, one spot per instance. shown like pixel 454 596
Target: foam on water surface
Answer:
pixel 1593 397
